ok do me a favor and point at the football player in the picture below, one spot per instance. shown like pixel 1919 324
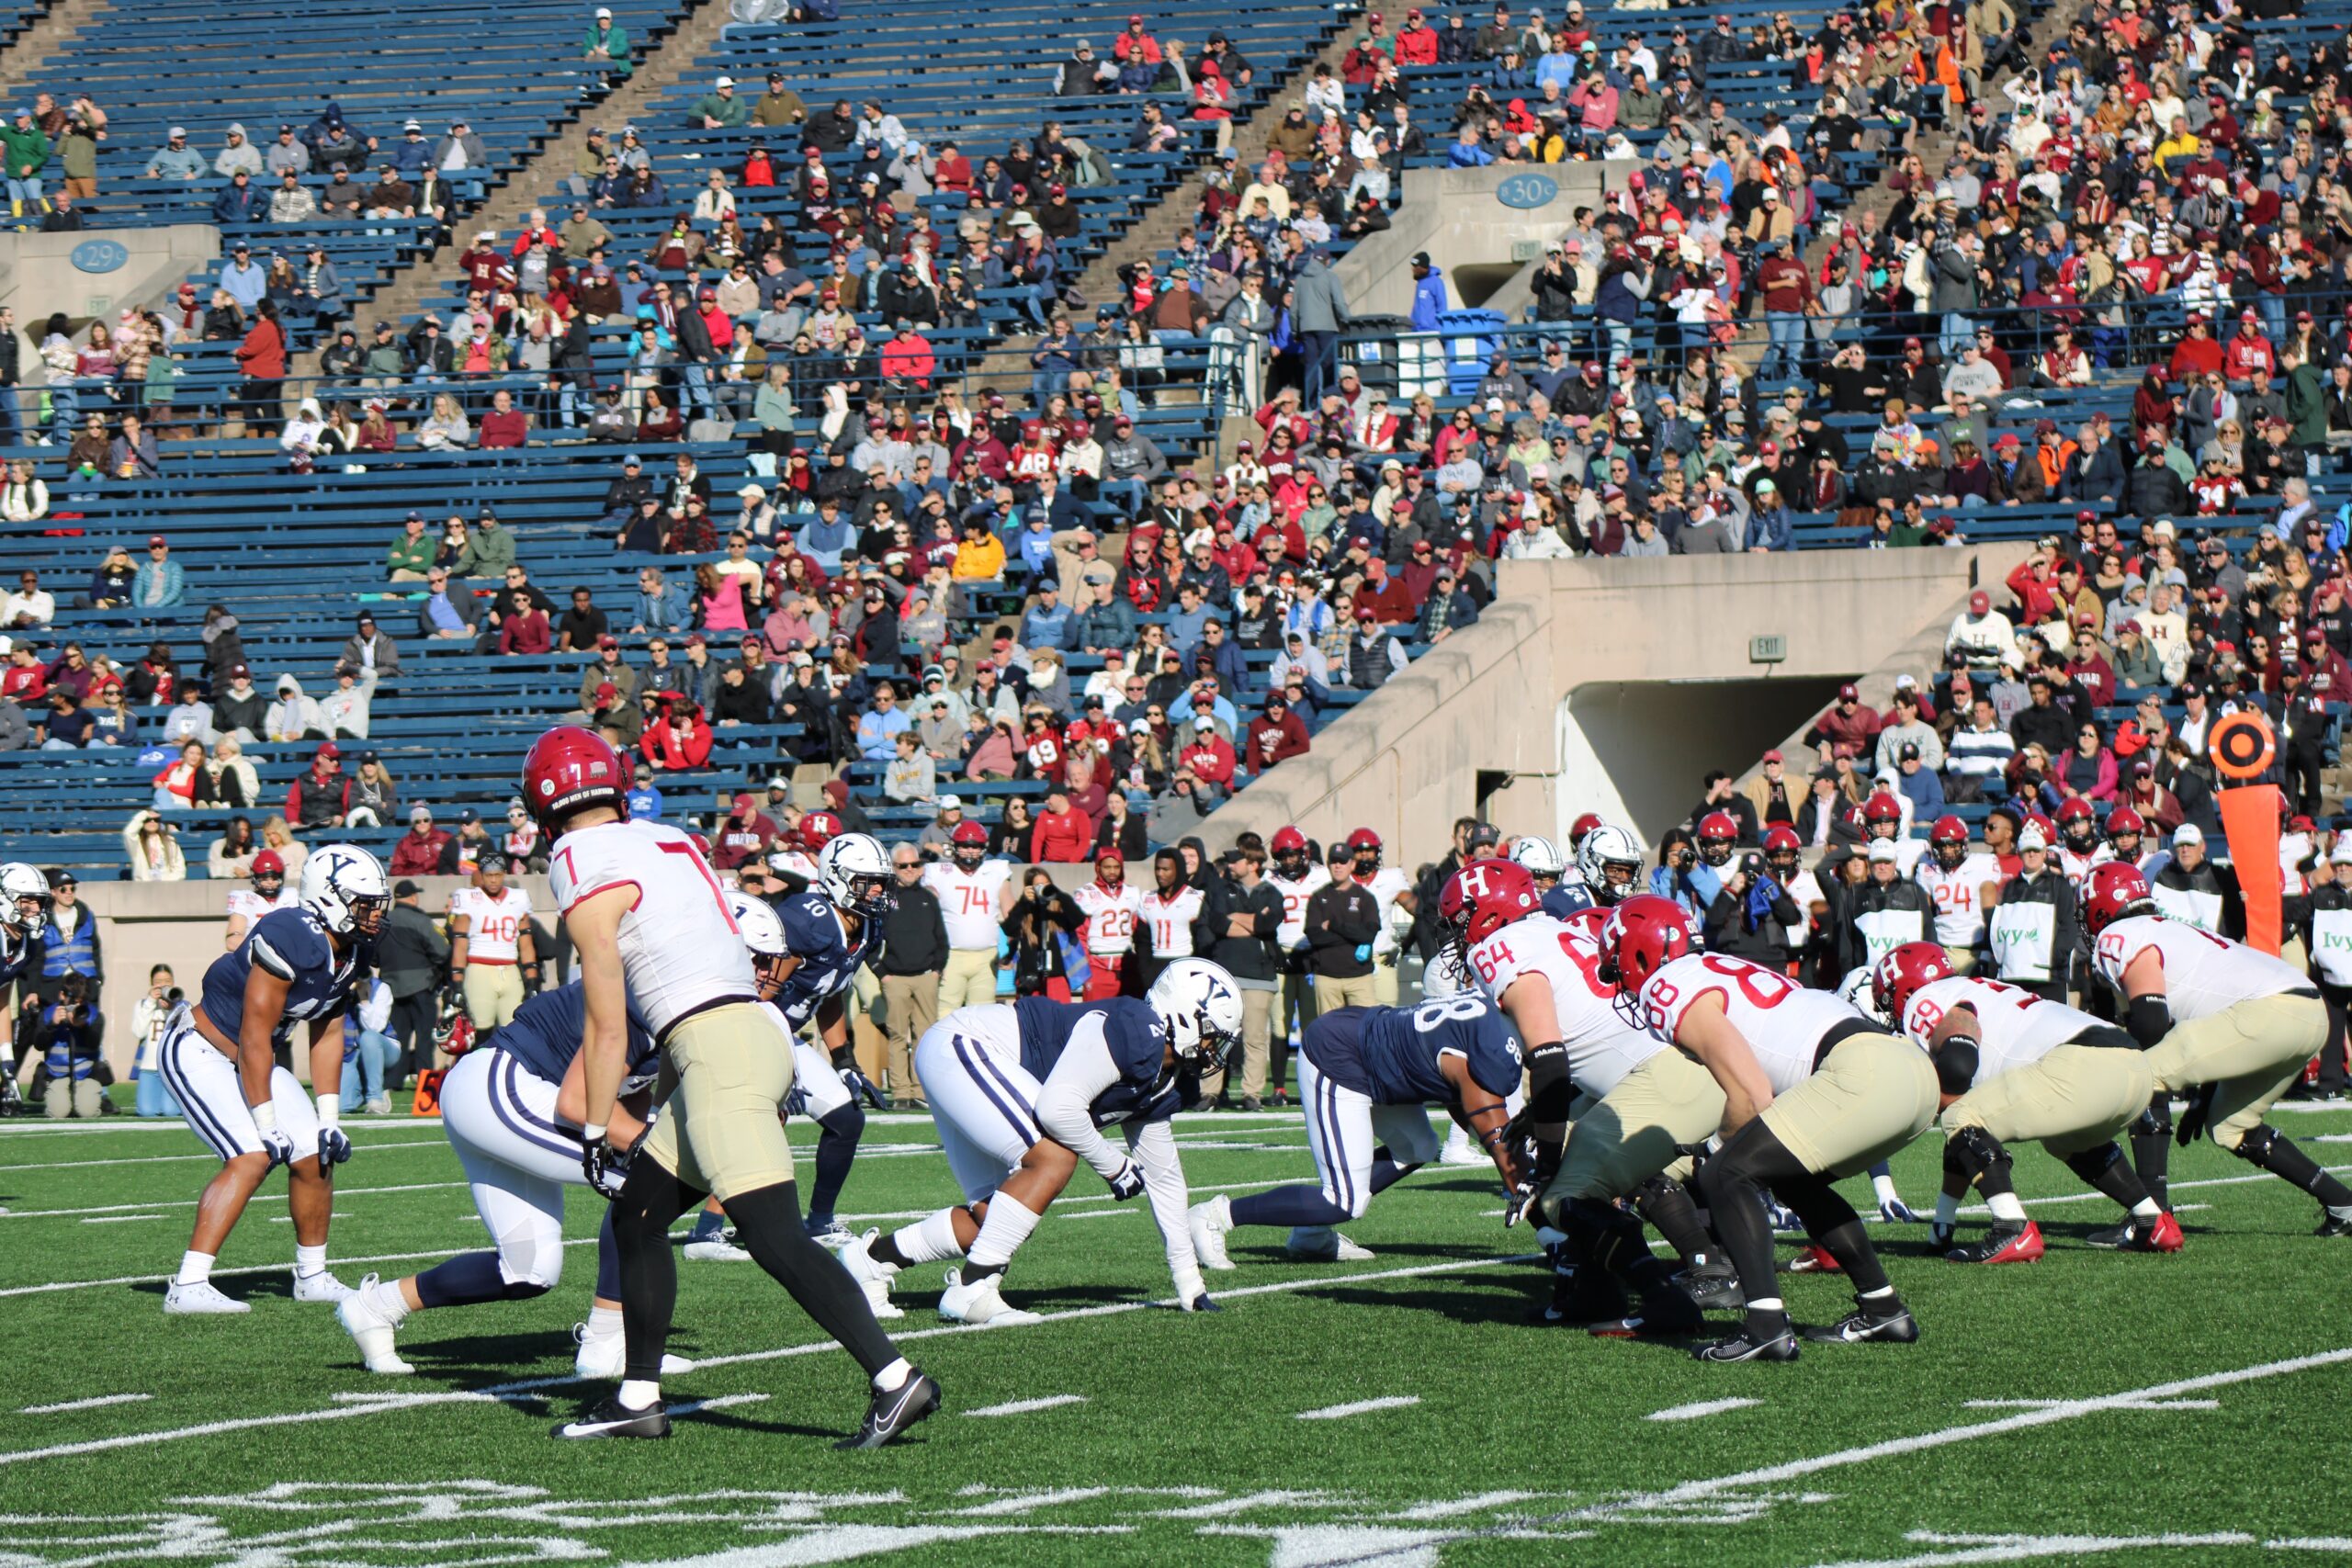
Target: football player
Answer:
pixel 1365 1075
pixel 1883 818
pixel 218 1056
pixel 1392 893
pixel 1718 836
pixel 2013 1065
pixel 1112 909
pixel 825 1078
pixel 1964 883
pixel 1639 1101
pixel 652 928
pixel 511 1107
pixel 1559 895
pixel 269 892
pixel 971 892
pixel 493 962
pixel 2229 1026
pixel 2126 831
pixel 1018 1090
pixel 2078 840
pixel 1297 877
pixel 1609 863
pixel 1813 1090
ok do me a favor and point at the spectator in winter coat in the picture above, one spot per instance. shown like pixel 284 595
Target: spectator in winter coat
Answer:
pixel 1063 833
pixel 417 853
pixel 1274 737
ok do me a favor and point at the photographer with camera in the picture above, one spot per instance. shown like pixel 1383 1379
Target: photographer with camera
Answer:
pixel 71 1039
pixel 1752 916
pixel 147 1021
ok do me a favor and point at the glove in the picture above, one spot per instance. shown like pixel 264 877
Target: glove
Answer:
pixel 795 1100
pixel 1891 1206
pixel 607 1168
pixel 1193 1294
pixel 530 979
pixel 279 1146
pixel 334 1147
pixel 453 995
pixel 860 1087
pixel 1127 1182
pixel 2193 1116
pixel 1523 1193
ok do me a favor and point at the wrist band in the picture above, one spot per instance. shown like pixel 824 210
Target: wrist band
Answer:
pixel 265 1116
pixel 591 1132
pixel 330 1109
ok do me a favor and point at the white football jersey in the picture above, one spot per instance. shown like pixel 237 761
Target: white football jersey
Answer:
pixel 679 948
pixel 2077 868
pixel 1782 1021
pixel 493 926
pixel 1291 935
pixel 2015 1027
pixel 967 900
pixel 1602 1047
pixel 1386 884
pixel 1171 920
pixel 2204 974
pixel 1111 916
pixel 253 905
pixel 1960 910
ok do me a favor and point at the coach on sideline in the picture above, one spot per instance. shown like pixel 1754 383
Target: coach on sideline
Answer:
pixel 914 950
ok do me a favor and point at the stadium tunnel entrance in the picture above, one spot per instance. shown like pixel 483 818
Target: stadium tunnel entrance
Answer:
pixel 1635 750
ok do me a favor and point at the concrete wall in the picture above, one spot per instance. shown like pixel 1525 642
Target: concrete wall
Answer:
pixel 1490 706
pixel 1455 215
pixel 37 275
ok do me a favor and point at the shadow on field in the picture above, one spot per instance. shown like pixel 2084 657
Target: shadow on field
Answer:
pixel 729 1420
pixel 492 1358
pixel 275 1285
pixel 1463 1301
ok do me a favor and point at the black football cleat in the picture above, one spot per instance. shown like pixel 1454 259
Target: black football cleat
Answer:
pixel 1747 1346
pixel 1580 1296
pixel 891 1414
pixel 1896 1327
pixel 1713 1287
pixel 611 1418
pixel 2331 1223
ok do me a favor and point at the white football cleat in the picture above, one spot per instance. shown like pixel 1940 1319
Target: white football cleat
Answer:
pixel 372 1331
pixel 1210 1221
pixel 606 1360
pixel 380 1106
pixel 1321 1244
pixel 980 1304
pixel 320 1287
pixel 833 1234
pixel 201 1299
pixel 1459 1150
pixel 719 1249
pixel 858 1258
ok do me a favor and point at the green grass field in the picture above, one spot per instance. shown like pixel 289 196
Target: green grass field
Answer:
pixel 2182 1410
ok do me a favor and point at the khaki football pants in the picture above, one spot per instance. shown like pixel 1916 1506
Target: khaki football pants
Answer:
pixel 724 1077
pixel 2077 1098
pixel 492 993
pixel 1630 1134
pixel 2254 1051
pixel 1874 1094
pixel 968 981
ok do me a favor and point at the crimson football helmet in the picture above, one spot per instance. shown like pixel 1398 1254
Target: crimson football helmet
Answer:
pixel 2078 824
pixel 1948 842
pixel 1364 841
pixel 1483 898
pixel 819 829
pixel 1902 971
pixel 1882 810
pixel 2115 891
pixel 1718 831
pixel 2122 821
pixel 1782 850
pixel 269 874
pixel 1643 935
pixel 569 769
pixel 1585 823
pixel 968 844
pixel 1290 850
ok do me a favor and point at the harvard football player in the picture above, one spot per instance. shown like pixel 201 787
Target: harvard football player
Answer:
pixel 1963 882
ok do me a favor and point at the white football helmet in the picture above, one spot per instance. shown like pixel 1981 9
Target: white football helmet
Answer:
pixel 24 899
pixel 1857 990
pixel 1540 855
pixel 854 873
pixel 1200 1007
pixel 343 886
pixel 763 932
pixel 1606 846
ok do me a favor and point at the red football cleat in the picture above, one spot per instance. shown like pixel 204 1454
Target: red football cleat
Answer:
pixel 2162 1236
pixel 1812 1260
pixel 2004 1245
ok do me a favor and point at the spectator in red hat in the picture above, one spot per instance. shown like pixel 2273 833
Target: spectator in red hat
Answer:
pixel 322 796
pixel 1849 728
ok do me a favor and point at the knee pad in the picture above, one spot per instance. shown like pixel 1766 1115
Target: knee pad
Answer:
pixel 1974 1153
pixel 2254 1148
pixel 2157 1121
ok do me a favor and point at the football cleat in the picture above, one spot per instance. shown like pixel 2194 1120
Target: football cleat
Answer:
pixel 372 1331
pixel 830 1234
pixel 978 1303
pixel 1713 1287
pixel 1321 1244
pixel 319 1286
pixel 380 1106
pixel 606 1360
pixel 1663 1313
pixel 1813 1259
pixel 717 1250
pixel 891 1414
pixel 611 1418
pixel 858 1258
pixel 1460 1151
pixel 1897 1327
pixel 2329 1224
pixel 1580 1296
pixel 1742 1347
pixel 2159 1235
pixel 2003 1243
pixel 1209 1222
pixel 200 1300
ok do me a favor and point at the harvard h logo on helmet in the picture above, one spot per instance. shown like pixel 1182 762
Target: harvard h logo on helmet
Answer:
pixel 570 769
pixel 1483 898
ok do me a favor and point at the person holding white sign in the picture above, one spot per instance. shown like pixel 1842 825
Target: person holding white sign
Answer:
pixel 2033 926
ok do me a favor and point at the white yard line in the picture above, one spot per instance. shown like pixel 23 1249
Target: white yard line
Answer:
pixel 1359 1407
pixel 341 1193
pixel 1023 1406
pixel 120 1219
pixel 7 1171
pixel 1699 1410
pixel 2048 1403
pixel 103 1399
pixel 368 1405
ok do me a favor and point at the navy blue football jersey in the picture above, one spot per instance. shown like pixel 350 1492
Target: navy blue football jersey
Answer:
pixel 1391 1053
pixel 1132 1032
pixel 292 945
pixel 15 957
pixel 1570 896
pixel 545 1034
pixel 828 960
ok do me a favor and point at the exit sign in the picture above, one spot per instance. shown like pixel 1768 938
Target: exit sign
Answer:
pixel 1766 649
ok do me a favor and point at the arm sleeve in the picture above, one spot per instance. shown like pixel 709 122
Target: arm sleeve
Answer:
pixel 1064 1103
pixel 1153 1145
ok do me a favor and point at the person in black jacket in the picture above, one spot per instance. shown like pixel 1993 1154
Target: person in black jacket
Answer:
pixel 1751 916
pixel 1342 922
pixel 1243 913
pixel 1034 925
pixel 914 951
pixel 413 956
pixel 2325 926
pixel 1887 910
pixel 2038 881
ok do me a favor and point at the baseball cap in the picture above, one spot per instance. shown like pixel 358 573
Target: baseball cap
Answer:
pixel 1847 693
pixel 1883 849
pixel 2188 833
pixel 1774 755
pixel 1203 722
